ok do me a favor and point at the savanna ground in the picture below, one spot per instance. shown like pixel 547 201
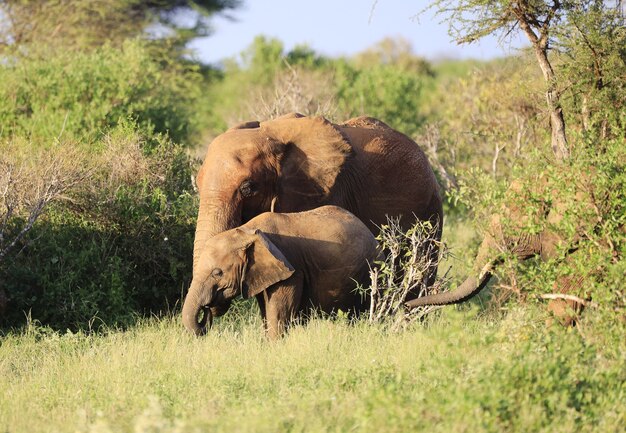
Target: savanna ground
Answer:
pixel 467 368
pixel 101 129
pixel 461 371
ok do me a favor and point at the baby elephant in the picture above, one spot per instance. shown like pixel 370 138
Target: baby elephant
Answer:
pixel 291 262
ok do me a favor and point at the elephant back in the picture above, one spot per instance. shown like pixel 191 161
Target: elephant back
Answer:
pixel 366 122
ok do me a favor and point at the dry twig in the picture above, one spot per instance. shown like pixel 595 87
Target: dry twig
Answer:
pixel 28 183
pixel 404 272
pixel 295 90
pixel 567 297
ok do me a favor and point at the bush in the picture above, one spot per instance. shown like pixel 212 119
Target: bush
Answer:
pixel 409 258
pixel 29 181
pixel 80 95
pixel 386 92
pixel 115 241
pixel 582 202
pixel 278 82
pixel 119 245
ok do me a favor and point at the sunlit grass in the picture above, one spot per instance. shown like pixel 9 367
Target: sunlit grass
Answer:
pixel 458 372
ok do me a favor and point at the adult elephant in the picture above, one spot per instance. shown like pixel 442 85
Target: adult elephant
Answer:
pixel 296 163
pixel 508 235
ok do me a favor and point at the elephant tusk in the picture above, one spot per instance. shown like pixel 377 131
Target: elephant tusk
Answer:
pixel 273 204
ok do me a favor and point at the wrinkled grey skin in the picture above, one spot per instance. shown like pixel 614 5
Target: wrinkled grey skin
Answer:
pixel 291 263
pixel 298 163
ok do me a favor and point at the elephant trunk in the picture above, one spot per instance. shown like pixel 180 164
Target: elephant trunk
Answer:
pixel 193 308
pixel 214 216
pixel 469 288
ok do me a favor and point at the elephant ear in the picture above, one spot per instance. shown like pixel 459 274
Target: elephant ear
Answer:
pixel 312 152
pixel 266 265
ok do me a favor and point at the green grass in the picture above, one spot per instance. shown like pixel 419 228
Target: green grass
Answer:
pixel 461 371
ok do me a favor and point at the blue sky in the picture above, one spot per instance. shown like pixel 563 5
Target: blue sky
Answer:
pixel 339 27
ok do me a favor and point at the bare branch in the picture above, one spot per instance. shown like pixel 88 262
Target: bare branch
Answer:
pixel 430 141
pixel 403 273
pixel 569 298
pixel 496 154
pixel 28 184
pixel 294 90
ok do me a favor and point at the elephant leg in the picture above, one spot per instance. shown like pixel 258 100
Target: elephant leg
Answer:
pixel 261 300
pixel 282 303
pixel 566 312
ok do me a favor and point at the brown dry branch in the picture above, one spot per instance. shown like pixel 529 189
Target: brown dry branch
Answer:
pixel 29 182
pixel 295 90
pixel 123 159
pixel 566 297
pixel 402 274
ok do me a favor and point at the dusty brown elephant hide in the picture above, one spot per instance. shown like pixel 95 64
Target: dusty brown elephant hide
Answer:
pixel 291 263
pixel 297 163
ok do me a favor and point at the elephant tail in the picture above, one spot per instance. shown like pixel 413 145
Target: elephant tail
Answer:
pixel 469 288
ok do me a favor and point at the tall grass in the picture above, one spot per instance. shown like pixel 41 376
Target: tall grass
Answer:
pixel 458 372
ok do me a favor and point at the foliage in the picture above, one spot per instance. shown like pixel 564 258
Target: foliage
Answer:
pixel 586 32
pixel 117 246
pixel 381 91
pixel 337 88
pixel 509 375
pixel 403 272
pixel 34 26
pixel 78 96
pixel 586 191
pixel 582 204
pixel 592 59
pixel 397 52
pixel 501 122
pixel 29 181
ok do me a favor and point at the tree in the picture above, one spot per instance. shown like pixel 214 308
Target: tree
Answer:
pixel 536 19
pixel 593 63
pixel 394 51
pixel 585 32
pixel 580 48
pixel 89 23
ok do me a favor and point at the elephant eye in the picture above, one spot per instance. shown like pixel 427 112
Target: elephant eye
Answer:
pixel 217 273
pixel 247 188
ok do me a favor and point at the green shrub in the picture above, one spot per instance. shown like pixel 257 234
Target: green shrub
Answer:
pixel 587 193
pixel 386 92
pixel 118 247
pixel 392 92
pixel 118 242
pixel 80 95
